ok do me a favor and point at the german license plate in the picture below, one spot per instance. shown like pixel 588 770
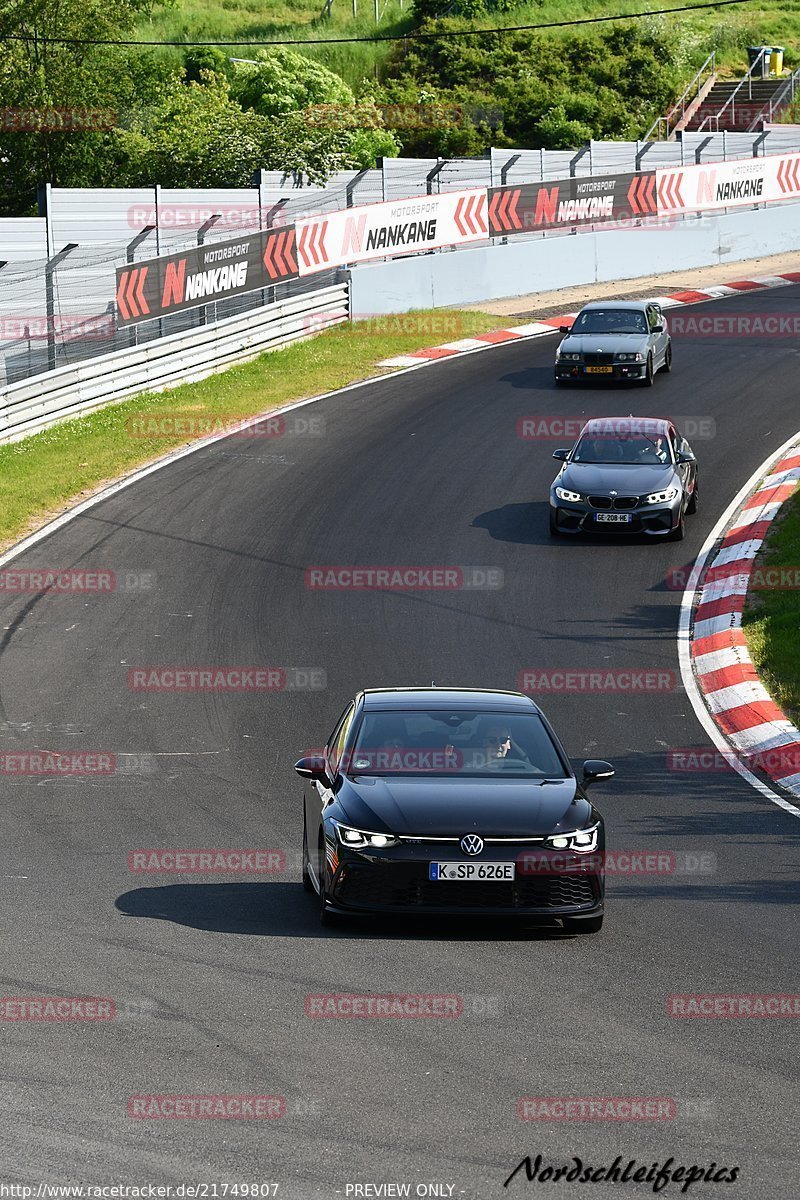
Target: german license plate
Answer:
pixel 471 870
pixel 613 518
pixel 599 370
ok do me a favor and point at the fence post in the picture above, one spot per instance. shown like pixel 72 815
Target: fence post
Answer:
pixel 429 178
pixel 49 271
pixel 130 250
pixel 201 237
pixel 353 184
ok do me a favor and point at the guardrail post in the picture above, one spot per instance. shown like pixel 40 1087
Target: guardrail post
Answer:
pixel 201 237
pixel 49 271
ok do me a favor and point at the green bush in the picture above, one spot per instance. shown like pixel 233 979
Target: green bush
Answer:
pixel 553 92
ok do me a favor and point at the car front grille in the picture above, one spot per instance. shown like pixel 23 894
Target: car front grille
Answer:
pixel 401 887
pixel 616 502
pixel 598 360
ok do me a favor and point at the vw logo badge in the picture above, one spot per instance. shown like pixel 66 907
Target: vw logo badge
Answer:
pixel 471 844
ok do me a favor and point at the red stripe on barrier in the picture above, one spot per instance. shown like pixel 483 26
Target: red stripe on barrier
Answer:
pixel 714 681
pixel 689 297
pixel 756 532
pixel 718 641
pixel 719 608
pixel 745 716
pixel 501 335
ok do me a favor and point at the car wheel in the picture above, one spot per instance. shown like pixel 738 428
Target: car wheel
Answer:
pixel 587 925
pixel 691 507
pixel 306 874
pixel 554 530
pixel 649 375
pixel 326 918
pixel 678 533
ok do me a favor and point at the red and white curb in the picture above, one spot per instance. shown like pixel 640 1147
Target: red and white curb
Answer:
pixel 718 673
pixel 549 325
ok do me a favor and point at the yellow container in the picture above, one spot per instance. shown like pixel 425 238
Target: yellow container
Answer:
pixel 776 61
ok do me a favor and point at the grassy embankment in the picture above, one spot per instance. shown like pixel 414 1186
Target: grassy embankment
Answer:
pixel 728 30
pixel 41 475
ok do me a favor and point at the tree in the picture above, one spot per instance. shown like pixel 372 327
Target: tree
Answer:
pixel 198 136
pixel 59 99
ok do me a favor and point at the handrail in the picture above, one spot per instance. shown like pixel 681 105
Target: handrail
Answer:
pixel 747 79
pixel 681 103
pixel 784 96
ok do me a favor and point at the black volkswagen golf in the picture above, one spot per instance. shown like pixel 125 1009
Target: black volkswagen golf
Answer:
pixel 432 800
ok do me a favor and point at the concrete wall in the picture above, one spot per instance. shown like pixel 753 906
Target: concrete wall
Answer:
pixel 547 263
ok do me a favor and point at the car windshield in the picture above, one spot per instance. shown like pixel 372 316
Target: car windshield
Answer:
pixel 620 448
pixel 610 320
pixel 446 742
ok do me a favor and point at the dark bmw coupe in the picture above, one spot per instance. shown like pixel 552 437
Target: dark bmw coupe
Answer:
pixel 432 800
pixel 625 475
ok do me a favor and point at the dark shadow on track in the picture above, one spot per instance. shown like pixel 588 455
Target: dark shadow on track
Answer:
pixel 285 910
pixel 528 525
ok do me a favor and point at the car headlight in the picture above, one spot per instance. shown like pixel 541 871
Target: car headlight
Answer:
pixel 569 357
pixel 628 358
pixel 359 839
pixel 661 497
pixel 582 840
pixel 566 494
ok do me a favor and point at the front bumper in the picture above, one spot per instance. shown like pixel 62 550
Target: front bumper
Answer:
pixel 619 371
pixel 396 881
pixel 656 520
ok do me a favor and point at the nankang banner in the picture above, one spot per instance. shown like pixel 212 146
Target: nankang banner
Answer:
pixel 588 200
pixel 394 227
pixel 745 181
pixel 160 286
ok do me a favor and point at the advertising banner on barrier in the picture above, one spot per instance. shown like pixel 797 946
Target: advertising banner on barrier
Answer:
pixel 394 227
pixel 742 181
pixel 589 200
pixel 160 286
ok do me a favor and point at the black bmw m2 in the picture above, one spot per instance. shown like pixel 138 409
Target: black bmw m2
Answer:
pixel 436 800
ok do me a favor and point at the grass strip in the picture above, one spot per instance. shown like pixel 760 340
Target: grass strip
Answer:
pixel 771 620
pixel 43 474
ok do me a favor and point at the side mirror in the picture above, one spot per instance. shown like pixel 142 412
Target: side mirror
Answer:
pixel 685 456
pixel 310 768
pixel 596 768
pixel 658 329
pixel 565 329
pixel 561 455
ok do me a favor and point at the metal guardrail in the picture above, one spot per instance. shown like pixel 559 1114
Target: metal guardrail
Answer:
pixel 731 101
pixel 785 96
pixel 76 390
pixel 706 75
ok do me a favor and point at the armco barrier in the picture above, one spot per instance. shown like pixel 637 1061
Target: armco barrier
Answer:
pixel 179 358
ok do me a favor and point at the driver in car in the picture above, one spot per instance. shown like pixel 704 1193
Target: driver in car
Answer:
pixel 496 744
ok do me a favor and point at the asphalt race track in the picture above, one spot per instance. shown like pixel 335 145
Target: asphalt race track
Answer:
pixel 209 973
